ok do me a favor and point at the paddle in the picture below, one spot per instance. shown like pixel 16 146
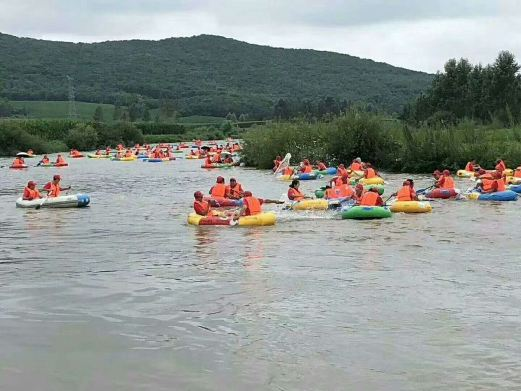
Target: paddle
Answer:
pixel 388 198
pixel 421 191
pixel 41 203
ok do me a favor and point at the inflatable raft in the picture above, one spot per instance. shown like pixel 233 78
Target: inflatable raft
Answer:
pixel 411 207
pixel 327 171
pixel 366 212
pixel 465 174
pixel 217 165
pixel 66 201
pixel 515 188
pixel 319 204
pixel 442 193
pixel 262 219
pixel 307 177
pixel 61 165
pixel 507 195
pixel 18 167
pixel 94 156
pixel 222 202
pixel 371 181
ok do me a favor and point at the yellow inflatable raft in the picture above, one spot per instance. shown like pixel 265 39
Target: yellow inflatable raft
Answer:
pixel 262 219
pixel 512 180
pixel 319 204
pixel 285 177
pixel 371 181
pixel 464 174
pixel 411 207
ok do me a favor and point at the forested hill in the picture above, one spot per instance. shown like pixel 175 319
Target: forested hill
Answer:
pixel 205 74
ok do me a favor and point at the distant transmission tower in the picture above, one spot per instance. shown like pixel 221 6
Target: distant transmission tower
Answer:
pixel 72 101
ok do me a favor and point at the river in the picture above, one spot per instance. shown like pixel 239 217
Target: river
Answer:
pixel 124 295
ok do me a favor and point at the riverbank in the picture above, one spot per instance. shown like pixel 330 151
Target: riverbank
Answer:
pixel 50 136
pixel 389 144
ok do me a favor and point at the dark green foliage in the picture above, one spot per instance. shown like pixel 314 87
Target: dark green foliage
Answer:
pixel 98 114
pixel 82 137
pixel 199 75
pixel 160 128
pixel 475 92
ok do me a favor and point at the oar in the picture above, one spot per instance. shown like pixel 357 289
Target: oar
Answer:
pixel 388 198
pixel 41 203
pixel 421 191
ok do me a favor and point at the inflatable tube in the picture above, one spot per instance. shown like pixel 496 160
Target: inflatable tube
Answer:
pixel 379 188
pixel 411 207
pixel 366 212
pixel 123 159
pixel 464 174
pixel 61 164
pixel 310 205
pixel 508 172
pixel 76 156
pixel 327 171
pixel 512 180
pixel 307 177
pixel 442 193
pixel 217 165
pixel 262 219
pixel 66 201
pixel 371 181
pixel 319 193
pixel 507 195
pixel 154 160
pixel 94 156
pixel 18 167
pixel 515 188
pixel 178 151
pixel 46 165
pixel 194 157
pixel 285 177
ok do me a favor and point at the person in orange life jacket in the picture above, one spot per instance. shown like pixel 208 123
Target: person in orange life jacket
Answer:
pixel 345 189
pixel 217 158
pixel 294 194
pixel 336 181
pixel 446 181
pixel 306 167
pixel 321 166
pixel 208 160
pixel 234 190
pixel 18 162
pixel 276 163
pixel 356 165
pixel 359 192
pixel 470 166
pixel 407 192
pixel 493 185
pixel 331 194
pixel 60 160
pixel 341 170
pixel 45 160
pixel 500 166
pixel 252 206
pixel 288 171
pixel 202 207
pixel 31 192
pixel 219 189
pixel 53 188
pixel 371 198
pixel 369 171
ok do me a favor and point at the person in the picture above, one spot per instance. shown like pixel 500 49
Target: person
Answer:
pixel 217 157
pixel 18 162
pixel 234 190
pixel 219 189
pixel 500 166
pixel 359 192
pixel 437 174
pixel 228 159
pixel 60 160
pixel 337 181
pixel 288 171
pixel 252 205
pixel 321 166
pixel 332 193
pixel 341 170
pixel 446 181
pixel 407 192
pixel 129 153
pixel 98 152
pixel 276 163
pixel 487 185
pixel 306 167
pixel 370 172
pixel 294 194
pixel 30 152
pixel 345 189
pixel 371 198
pixel 53 188
pixel 470 166
pixel 517 172
pixel 356 165
pixel 208 161
pixel 45 160
pixel 201 207
pixel 31 192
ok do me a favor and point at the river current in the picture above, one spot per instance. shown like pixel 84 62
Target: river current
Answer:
pixel 124 295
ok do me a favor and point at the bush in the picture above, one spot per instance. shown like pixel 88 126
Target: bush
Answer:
pixel 82 137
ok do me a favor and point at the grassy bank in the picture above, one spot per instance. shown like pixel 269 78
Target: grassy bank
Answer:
pixel 390 145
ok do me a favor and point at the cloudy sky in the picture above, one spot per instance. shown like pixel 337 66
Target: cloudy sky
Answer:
pixel 419 34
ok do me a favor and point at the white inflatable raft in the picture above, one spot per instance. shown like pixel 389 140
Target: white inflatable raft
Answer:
pixel 66 201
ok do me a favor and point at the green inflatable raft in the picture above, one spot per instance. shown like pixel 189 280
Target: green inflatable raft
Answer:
pixel 366 212
pixel 319 193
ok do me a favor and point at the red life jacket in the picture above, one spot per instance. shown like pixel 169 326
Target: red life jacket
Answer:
pixel 288 171
pixel 202 208
pixel 54 190
pixel 253 206
pixel 30 194
pixel 469 167
pixel 218 190
pixel 346 190
pixel 307 169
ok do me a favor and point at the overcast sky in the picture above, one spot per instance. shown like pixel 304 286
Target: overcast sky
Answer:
pixel 420 34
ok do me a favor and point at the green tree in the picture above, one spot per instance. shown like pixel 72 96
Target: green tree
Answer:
pixel 281 109
pixel 146 115
pixel 98 115
pixel 116 116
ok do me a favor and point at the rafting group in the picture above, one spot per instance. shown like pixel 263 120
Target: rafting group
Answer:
pixel 19 162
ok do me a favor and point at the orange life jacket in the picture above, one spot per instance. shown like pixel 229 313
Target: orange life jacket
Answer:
pixel 322 166
pixel 346 190
pixel 295 194
pixel 253 206
pixel 469 167
pixel 60 160
pixel 288 171
pixel 202 208
pixel 370 173
pixel 369 198
pixel 341 172
pixel 487 185
pixel 30 194
pixel 307 169
pixel 54 190
pixel 218 190
pixel 404 194
pixel 18 162
pixel 517 173
pixel 332 193
pixel 448 183
pixel 234 192
pixel 45 160
pixel 501 185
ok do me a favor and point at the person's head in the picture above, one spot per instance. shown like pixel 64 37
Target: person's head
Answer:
pixel 233 181
pixel 341 166
pixel 56 178
pixel 446 173
pixel 45 156
pixel 328 186
pixel 358 160
pixel 59 156
pixel 295 184
pixel 359 188
pixel 247 194
pixel 198 196
pixel 473 161
pixel 306 162
pixel 411 182
pixel 31 185
pixel 498 161
pixel 220 179
pixel 497 175
pixel 345 179
pixel 436 173
pixel 278 157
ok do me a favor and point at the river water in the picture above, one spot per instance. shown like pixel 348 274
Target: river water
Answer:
pixel 124 295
